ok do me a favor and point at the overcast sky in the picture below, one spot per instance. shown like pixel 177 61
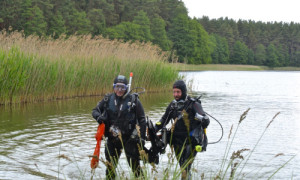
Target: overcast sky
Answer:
pixel 257 10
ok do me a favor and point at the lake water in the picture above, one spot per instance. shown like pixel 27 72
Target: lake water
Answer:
pixel 33 137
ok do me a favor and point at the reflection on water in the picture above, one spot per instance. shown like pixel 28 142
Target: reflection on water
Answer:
pixel 32 137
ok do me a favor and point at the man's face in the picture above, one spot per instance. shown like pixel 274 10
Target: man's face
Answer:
pixel 177 93
pixel 120 89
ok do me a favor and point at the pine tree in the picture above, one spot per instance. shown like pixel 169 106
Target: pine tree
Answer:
pixel 35 22
pixel 78 23
pixel 201 51
pixel 10 13
pixel 57 25
pixel 159 33
pixel 179 35
pixel 97 20
pixel 126 31
pixel 260 55
pixel 240 53
pixel 143 21
pixel 272 58
pixel 221 51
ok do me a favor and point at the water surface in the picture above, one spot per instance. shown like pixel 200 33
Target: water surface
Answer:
pixel 34 136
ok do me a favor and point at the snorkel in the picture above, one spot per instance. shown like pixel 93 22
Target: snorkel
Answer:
pixel 129 85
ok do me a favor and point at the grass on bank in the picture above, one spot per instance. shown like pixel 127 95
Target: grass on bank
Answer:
pixel 35 69
pixel 229 67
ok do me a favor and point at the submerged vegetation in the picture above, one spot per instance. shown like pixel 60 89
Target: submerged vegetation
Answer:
pixel 35 69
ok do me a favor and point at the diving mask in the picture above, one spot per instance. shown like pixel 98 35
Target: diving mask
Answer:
pixel 120 87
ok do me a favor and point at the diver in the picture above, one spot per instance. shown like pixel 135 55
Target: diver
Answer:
pixel 125 126
pixel 190 121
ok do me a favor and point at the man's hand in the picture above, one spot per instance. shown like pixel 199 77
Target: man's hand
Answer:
pixel 101 119
pixel 205 122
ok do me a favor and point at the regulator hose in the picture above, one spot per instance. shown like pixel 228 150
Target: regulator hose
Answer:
pixel 220 126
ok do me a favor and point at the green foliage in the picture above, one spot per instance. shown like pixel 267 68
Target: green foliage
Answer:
pixel 190 41
pixel 256 35
pixel 111 18
pixel 35 22
pixel 201 49
pixel 126 31
pixel 240 53
pixel 250 57
pixel 220 53
pixel 14 72
pixel 57 25
pixel 272 58
pixel 78 23
pixel 260 55
pixel 179 35
pixel 159 33
pixel 108 17
pixel 170 9
pixel 10 13
pixel 23 79
pixel 97 20
pixel 143 21
pixel 63 68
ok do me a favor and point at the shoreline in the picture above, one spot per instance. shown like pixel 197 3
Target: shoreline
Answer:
pixel 229 67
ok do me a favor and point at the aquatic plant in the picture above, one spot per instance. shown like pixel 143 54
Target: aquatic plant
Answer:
pixel 35 69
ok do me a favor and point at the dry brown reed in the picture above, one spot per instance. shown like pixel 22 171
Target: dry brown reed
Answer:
pixel 230 132
pixel 64 157
pixel 273 119
pixel 78 66
pixel 81 47
pixel 279 154
pixel 243 116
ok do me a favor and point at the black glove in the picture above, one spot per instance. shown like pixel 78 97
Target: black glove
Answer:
pixel 101 119
pixel 205 122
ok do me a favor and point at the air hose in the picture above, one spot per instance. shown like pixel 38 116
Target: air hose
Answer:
pixel 220 126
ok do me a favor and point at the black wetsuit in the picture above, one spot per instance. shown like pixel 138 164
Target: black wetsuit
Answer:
pixel 124 117
pixel 182 134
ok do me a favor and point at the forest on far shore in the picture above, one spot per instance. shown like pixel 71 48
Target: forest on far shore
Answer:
pixel 164 23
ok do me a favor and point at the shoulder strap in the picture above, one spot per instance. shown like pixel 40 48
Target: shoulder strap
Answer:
pixel 106 99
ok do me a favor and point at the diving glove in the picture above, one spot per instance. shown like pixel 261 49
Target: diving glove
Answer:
pixel 102 118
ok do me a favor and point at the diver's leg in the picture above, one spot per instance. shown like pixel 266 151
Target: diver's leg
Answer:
pixel 112 154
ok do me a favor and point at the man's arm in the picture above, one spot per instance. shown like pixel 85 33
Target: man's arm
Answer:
pixel 165 119
pixel 97 111
pixel 198 109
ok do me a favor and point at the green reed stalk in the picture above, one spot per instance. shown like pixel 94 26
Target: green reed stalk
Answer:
pixel 33 69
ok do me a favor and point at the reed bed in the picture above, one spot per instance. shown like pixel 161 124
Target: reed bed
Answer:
pixel 39 69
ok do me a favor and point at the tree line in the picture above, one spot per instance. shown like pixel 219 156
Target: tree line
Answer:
pixel 162 22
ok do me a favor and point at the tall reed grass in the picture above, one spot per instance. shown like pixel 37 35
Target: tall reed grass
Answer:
pixel 36 69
